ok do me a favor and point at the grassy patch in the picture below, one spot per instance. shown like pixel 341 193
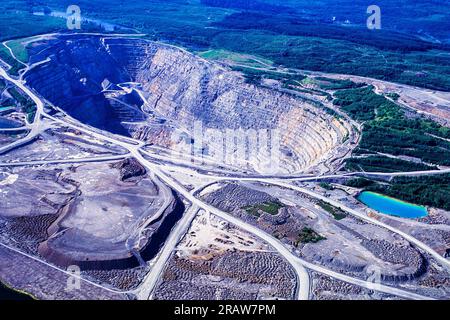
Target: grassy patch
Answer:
pixel 6 108
pixel 337 84
pixel 255 76
pixel 5 55
pixel 242 59
pixel 326 186
pixel 19 48
pixel 308 235
pixel 337 213
pixel 298 86
pixel 271 208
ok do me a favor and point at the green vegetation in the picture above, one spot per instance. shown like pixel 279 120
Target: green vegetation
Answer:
pixel 255 76
pixel 407 137
pixel 298 85
pixel 5 55
pixel 337 213
pixel 338 56
pixel 241 59
pixel 19 48
pixel 27 105
pixel 359 183
pixel 286 34
pixel 336 49
pixel 431 191
pixel 6 108
pixel 360 103
pixel 17 96
pixel 394 96
pixel 304 90
pixel 308 235
pixel 326 186
pixel 16 21
pixel 387 130
pixel 384 164
pixel 337 84
pixel 271 208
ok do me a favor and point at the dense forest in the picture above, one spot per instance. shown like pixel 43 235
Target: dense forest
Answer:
pixel 388 130
pixel 253 5
pixel 293 26
pixel 321 36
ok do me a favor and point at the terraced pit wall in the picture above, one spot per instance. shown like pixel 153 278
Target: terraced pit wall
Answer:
pixel 179 88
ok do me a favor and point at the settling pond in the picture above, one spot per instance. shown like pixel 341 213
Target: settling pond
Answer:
pixel 392 206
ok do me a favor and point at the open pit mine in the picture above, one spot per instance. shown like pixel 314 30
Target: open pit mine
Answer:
pixel 143 171
pixel 158 93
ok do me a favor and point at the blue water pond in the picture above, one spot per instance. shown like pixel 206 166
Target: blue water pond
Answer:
pixel 391 206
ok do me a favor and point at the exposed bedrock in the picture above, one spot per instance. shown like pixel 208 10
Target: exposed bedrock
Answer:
pixel 179 89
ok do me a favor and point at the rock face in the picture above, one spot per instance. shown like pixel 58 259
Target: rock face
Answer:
pixel 179 90
pixel 72 79
pixel 130 169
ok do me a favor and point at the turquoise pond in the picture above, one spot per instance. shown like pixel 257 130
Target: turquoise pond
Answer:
pixel 391 206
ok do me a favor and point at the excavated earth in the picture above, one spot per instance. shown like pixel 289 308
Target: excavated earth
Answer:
pixel 89 215
pixel 156 93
